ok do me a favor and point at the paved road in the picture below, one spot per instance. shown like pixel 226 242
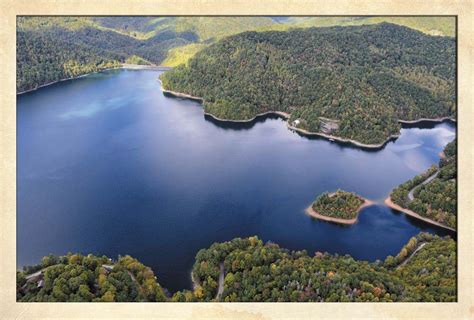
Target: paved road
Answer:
pixel 33 275
pixel 428 180
pixel 411 256
pixel 220 290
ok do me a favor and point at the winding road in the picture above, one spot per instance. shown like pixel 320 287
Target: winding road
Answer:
pixel 411 256
pixel 34 275
pixel 220 289
pixel 428 180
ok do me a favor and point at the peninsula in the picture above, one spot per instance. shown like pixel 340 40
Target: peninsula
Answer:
pixel 352 84
pixel 431 196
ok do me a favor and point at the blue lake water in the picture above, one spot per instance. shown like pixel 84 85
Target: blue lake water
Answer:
pixel 107 164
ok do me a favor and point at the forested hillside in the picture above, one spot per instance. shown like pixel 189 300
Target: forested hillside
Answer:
pixel 435 199
pixel 440 26
pixel 88 278
pixel 50 49
pixel 207 29
pixel 254 271
pixel 53 48
pixel 360 79
pixel 265 272
pixel 210 29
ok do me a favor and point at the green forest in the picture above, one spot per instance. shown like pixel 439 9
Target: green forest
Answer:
pixel 54 48
pixel 79 278
pixel 436 199
pixel 363 78
pixel 49 54
pixel 340 204
pixel 254 271
pixel 347 77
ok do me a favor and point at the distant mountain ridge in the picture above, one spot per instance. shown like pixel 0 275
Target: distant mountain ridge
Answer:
pixel 53 48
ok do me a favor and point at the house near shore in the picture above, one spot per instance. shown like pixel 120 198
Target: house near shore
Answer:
pixel 296 122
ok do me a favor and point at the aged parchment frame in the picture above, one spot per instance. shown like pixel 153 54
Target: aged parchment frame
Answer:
pixel 10 309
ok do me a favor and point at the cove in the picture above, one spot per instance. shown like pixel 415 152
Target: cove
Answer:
pixel 107 164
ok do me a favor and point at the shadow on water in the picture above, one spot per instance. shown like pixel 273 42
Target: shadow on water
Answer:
pixel 247 125
pixel 342 226
pixel 238 126
pixel 231 125
pixel 170 95
pixel 426 124
pixel 425 226
pixel 346 145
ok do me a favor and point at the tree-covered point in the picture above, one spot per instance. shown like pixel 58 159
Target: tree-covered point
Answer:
pixel 78 278
pixel 340 204
pixel 265 272
pixel 435 199
pixel 363 77
pixel 450 149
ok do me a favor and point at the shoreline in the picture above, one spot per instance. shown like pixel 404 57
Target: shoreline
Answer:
pixel 286 116
pixel 144 67
pixel 313 213
pixel 65 79
pixel 282 114
pixel 344 140
pixel 277 113
pixel 122 66
pixel 436 120
pixel 179 94
pixel 389 203
pixel 304 132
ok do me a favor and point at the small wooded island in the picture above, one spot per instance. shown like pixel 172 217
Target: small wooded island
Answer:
pixel 340 207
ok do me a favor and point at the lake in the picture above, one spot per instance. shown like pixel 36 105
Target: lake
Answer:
pixel 107 164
